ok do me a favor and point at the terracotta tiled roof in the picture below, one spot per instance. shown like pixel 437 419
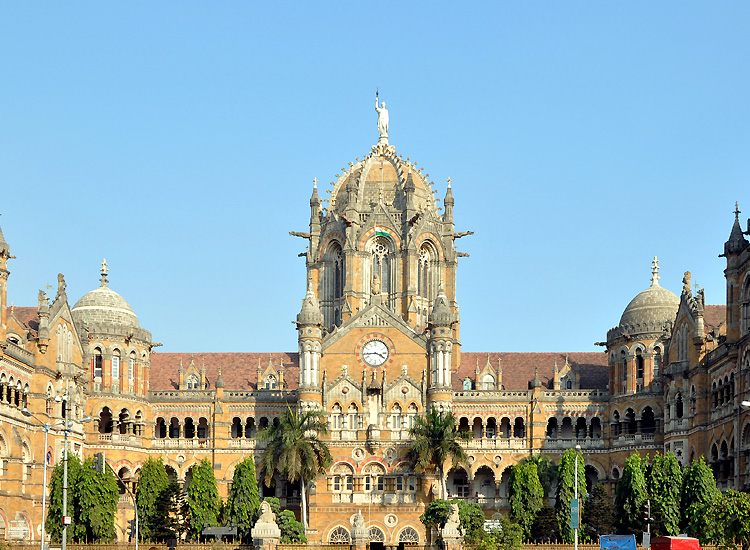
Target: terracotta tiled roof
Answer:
pixel 713 316
pixel 518 368
pixel 27 316
pixel 239 370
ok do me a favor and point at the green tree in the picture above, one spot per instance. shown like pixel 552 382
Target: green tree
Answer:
pixel 729 520
pixel 698 492
pixel 97 494
pixel 292 531
pixel 152 481
pixel 630 496
pixel 525 494
pixel 599 516
pixel 566 490
pixel 202 500
pixel 509 536
pixel 546 469
pixel 296 450
pixel 169 512
pixel 471 518
pixel 92 502
pixel 436 439
pixel 545 529
pixel 244 500
pixel 436 514
pixel 664 485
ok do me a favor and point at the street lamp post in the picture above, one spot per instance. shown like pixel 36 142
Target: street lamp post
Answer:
pixel 47 427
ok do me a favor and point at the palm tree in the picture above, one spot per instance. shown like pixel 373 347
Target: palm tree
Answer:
pixel 437 438
pixel 295 449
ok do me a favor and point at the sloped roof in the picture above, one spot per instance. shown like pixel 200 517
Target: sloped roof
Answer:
pixel 713 316
pixel 27 316
pixel 518 368
pixel 239 370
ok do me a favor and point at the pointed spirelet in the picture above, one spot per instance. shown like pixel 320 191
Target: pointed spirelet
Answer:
pixel 737 241
pixel 441 314
pixel 310 313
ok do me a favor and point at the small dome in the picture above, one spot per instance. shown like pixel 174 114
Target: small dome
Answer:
pixel 441 314
pixel 648 311
pixel 104 305
pixel 310 312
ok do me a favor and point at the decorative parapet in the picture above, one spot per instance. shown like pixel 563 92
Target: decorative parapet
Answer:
pixel 490 395
pixel 599 395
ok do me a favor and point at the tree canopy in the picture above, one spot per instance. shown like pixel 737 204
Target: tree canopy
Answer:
pixel 630 496
pixel 698 492
pixel 296 450
pixel 244 500
pixel 152 481
pixel 91 503
pixel 566 490
pixel 437 439
pixel 664 486
pixel 202 501
pixel 525 494
pixel 599 516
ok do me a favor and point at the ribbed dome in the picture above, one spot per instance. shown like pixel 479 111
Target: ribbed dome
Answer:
pixel 104 305
pixel 441 314
pixel 381 174
pixel 310 313
pixel 650 309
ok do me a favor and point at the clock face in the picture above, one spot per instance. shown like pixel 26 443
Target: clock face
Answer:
pixel 375 353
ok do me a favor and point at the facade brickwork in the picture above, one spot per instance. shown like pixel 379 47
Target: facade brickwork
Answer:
pixel 377 346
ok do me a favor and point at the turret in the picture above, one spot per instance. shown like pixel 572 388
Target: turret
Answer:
pixel 43 312
pixel 441 347
pixel 314 216
pixel 309 325
pixel 734 246
pixel 448 203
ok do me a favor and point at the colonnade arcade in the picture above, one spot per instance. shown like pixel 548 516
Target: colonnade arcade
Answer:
pixel 490 428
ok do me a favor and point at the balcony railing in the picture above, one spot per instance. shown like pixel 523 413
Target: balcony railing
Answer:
pixel 120 439
pixel 181 443
pixel 585 443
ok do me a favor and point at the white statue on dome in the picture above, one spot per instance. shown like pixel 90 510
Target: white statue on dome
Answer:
pixel 382 118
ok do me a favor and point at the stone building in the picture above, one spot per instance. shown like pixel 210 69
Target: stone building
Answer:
pixel 377 345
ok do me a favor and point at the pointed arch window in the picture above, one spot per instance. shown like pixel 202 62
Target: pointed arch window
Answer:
pixel 116 367
pixel 381 265
pixel 270 383
pixel 428 272
pixel 193 382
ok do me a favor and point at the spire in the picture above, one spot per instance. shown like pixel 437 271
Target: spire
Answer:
pixel 4 248
pixel 448 203
pixel 737 241
pixel 104 270
pixel 219 380
pixel 655 272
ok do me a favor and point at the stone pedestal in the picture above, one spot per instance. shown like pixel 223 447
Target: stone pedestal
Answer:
pixel 453 537
pixel 266 533
pixel 360 533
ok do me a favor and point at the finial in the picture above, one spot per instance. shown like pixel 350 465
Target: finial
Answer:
pixel 449 183
pixel 104 272
pixel 736 210
pixel 315 183
pixel 655 272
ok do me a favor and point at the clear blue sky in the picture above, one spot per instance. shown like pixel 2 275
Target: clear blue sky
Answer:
pixel 179 140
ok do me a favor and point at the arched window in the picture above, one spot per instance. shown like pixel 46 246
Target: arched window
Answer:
pixel 408 536
pixel 336 420
pixel 270 383
pixel 428 276
pixel 657 362
pixel 678 409
pixel 381 268
pixel 396 417
pixel 116 368
pixel 376 535
pixel 96 364
pixel 745 306
pixel 639 364
pixel 131 370
pixel 193 382
pixel 333 284
pixel 354 418
pixel 340 535
pixel 488 382
pixel 411 415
